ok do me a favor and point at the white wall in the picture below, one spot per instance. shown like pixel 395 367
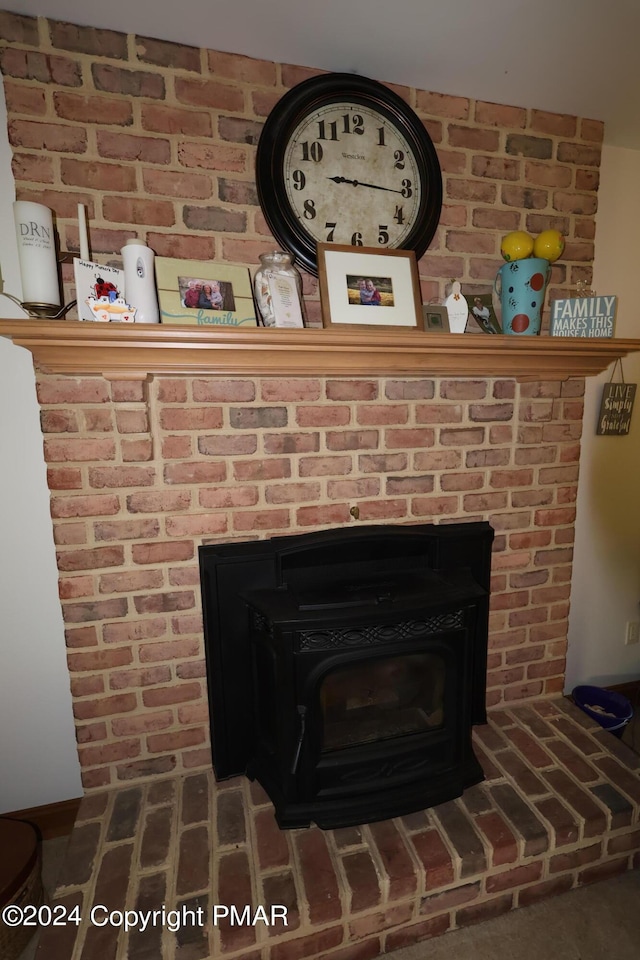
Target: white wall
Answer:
pixel 606 574
pixel 38 757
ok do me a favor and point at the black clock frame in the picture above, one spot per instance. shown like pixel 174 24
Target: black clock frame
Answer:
pixel 309 96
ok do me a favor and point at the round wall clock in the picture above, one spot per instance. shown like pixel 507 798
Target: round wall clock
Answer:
pixel 343 159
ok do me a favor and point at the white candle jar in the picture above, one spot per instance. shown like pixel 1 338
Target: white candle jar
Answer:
pixel 37 257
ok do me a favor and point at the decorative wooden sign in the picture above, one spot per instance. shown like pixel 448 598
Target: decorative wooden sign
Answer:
pixel 616 407
pixel 583 317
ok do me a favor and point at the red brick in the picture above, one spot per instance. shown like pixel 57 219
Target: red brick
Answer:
pixel 316 944
pixel 176 741
pixel 234 887
pixel 134 726
pixel 168 551
pixel 193 865
pixel 132 630
pixel 99 659
pixel 271 841
pixel 393 916
pixel 362 881
pixel 516 877
pixel 603 871
pixel 168 651
pixel 319 877
pixel 406 936
pixel 503 843
pixel 106 706
pixel 91 559
pixel 540 891
pixel 435 858
pixel 160 696
pixel 105 754
pixel 441 902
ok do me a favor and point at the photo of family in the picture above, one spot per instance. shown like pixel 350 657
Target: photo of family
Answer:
pixel 198 294
pixel 370 291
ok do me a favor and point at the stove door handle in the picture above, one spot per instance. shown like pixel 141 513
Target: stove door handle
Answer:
pixel 302 713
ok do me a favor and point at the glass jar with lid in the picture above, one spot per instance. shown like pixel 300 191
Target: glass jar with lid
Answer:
pixel 278 290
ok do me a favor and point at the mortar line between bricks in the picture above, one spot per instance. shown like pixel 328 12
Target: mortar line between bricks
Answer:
pixel 103 849
pixel 376 856
pixel 171 868
pixel 152 405
pixel 341 873
pixel 459 858
pixel 448 843
pixel 418 866
pixel 255 872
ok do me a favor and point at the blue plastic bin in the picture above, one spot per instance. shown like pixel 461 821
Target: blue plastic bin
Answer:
pixel 610 701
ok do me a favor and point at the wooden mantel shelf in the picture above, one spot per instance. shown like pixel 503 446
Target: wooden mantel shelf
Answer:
pixel 122 351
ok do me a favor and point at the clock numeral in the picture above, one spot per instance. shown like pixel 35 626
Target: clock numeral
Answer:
pixel 353 124
pixel 309 210
pixel 312 152
pixel 406 189
pixel 398 156
pixel 383 233
pixel 299 180
pixel 356 240
pixel 331 228
pixel 381 142
pixel 398 215
pixel 322 130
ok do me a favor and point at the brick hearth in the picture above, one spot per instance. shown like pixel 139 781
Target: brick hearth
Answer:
pixel 559 808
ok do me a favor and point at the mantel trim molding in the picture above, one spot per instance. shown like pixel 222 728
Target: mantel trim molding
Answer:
pixel 136 351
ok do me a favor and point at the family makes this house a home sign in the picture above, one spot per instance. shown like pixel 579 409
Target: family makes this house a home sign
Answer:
pixel 583 317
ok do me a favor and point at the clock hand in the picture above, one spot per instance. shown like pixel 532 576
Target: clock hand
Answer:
pixel 359 183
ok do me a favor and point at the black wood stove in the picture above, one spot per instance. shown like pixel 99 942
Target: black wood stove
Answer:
pixel 346 668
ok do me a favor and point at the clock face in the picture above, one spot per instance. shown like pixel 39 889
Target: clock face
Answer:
pixel 351 177
pixel 343 159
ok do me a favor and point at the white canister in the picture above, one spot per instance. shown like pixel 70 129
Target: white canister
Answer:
pixel 139 281
pixel 37 254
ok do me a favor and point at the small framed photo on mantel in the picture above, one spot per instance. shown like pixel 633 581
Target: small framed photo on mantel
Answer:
pixel 200 293
pixel 435 318
pixel 364 287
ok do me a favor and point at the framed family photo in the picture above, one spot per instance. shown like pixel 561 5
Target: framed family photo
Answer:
pixel 199 292
pixel 367 287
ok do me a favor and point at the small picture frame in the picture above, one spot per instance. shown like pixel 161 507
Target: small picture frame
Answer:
pixel 363 287
pixel 482 311
pixel 435 318
pixel 199 293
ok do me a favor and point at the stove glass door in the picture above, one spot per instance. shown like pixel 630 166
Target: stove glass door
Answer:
pixel 383 698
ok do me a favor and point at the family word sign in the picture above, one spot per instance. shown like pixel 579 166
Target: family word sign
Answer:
pixel 583 317
pixel 616 407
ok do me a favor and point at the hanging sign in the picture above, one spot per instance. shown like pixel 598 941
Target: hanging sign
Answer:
pixel 616 407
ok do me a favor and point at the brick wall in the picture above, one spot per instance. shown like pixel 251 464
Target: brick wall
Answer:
pixel 158 141
pixel 141 474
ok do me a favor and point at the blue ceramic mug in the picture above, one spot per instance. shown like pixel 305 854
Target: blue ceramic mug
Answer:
pixel 521 286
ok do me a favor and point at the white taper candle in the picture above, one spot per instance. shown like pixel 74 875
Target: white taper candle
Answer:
pixel 82 230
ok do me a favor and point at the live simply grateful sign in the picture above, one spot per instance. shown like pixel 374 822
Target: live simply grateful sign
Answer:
pixel 616 407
